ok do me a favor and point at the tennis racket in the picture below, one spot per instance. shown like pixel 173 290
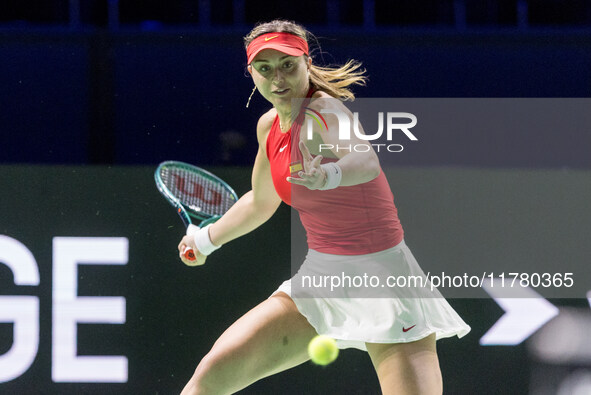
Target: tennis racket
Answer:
pixel 196 194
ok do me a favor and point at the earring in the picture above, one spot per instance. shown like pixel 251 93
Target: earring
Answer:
pixel 250 97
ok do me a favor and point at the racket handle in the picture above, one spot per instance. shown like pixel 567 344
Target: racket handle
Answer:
pixel 189 254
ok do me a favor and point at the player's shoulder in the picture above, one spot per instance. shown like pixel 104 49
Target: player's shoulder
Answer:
pixel 266 120
pixel 321 95
pixel 264 125
pixel 322 100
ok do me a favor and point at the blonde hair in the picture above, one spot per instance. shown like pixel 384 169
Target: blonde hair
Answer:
pixel 335 81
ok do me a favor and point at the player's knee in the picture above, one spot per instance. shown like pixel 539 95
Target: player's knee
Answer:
pixel 208 377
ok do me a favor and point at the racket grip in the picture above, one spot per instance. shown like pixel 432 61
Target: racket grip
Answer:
pixel 189 254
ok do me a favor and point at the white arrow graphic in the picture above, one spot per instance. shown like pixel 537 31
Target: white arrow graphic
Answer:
pixel 526 311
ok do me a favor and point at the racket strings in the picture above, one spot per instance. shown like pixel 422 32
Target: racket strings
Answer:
pixel 199 193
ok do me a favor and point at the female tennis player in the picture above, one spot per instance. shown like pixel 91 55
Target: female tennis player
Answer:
pixel 348 211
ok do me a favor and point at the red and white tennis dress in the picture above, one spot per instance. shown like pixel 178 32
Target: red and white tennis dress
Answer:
pixel 355 237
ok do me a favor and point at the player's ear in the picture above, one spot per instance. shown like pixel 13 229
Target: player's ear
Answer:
pixel 249 68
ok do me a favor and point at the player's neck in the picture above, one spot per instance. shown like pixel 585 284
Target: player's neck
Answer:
pixel 286 112
pixel 284 120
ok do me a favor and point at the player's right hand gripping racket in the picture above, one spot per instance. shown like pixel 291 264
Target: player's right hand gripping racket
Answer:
pixel 195 194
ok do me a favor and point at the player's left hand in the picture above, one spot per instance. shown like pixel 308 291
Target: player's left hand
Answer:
pixel 313 176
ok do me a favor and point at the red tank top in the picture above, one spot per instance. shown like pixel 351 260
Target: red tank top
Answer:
pixel 352 220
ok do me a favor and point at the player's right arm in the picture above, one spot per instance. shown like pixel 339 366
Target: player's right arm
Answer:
pixel 256 206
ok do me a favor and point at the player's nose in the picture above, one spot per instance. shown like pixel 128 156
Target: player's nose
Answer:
pixel 278 77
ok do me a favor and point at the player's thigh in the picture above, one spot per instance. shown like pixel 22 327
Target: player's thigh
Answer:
pixel 271 337
pixel 407 368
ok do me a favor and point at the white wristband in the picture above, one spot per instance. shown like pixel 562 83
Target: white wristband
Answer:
pixel 203 242
pixel 333 175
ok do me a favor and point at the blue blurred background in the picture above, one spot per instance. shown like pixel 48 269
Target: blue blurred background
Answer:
pixel 137 82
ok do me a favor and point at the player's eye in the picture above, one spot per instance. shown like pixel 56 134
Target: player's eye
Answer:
pixel 264 68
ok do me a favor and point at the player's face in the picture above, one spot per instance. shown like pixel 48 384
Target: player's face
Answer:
pixel 280 77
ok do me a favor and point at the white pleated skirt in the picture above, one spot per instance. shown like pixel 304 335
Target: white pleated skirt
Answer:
pixel 372 298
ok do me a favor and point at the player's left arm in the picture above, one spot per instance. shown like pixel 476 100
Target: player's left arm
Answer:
pixel 357 166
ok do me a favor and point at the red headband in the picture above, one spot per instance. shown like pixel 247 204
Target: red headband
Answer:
pixel 287 43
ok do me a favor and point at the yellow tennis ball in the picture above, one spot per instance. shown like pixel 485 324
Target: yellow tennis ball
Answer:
pixel 323 350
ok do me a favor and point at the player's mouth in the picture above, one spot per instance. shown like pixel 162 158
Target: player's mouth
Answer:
pixel 280 92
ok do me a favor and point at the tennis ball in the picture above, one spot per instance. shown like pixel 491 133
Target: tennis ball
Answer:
pixel 323 350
